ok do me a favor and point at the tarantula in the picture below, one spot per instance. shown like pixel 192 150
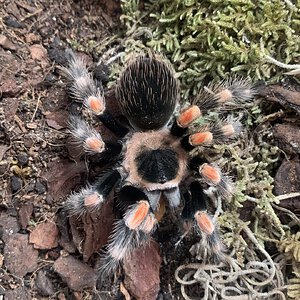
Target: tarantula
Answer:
pixel 154 156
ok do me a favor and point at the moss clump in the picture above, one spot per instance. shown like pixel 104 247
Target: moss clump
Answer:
pixel 212 39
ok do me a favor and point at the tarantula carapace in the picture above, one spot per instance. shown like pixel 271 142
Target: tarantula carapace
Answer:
pixel 154 156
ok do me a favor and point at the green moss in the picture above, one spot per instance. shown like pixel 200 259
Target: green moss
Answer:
pixel 212 39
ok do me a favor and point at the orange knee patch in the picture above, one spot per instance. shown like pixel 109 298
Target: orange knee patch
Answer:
pixel 94 144
pixel 210 173
pixel 148 224
pixel 95 104
pixel 92 200
pixel 200 138
pixel 224 96
pixel 135 217
pixel 204 222
pixel 188 116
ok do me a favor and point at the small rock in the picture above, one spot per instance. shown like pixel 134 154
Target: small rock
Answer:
pixel 44 236
pixel 57 120
pixel 22 159
pixel 25 213
pixel 6 43
pixel 38 52
pixel 40 187
pixel 9 88
pixel 3 167
pixel 15 184
pixel 53 254
pixel 20 257
pixel 12 22
pixel 31 38
pixel 10 108
pixel 61 296
pixel 58 56
pixel 28 141
pixel 288 137
pixel 77 296
pixel 49 80
pixel 76 274
pixel 44 284
pixel 31 125
pixel 9 225
pixel 21 293
pixel 142 272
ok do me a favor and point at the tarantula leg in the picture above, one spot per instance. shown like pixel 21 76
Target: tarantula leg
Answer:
pixel 83 88
pixel 85 135
pixel 214 133
pixel 195 209
pixel 132 231
pixel 113 125
pixel 185 118
pixel 92 197
pixel 90 139
pixel 211 175
pixel 233 90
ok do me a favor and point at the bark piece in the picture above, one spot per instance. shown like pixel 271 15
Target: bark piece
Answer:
pixel 8 225
pixel 25 213
pixel 287 180
pixel 44 284
pixel 19 256
pixel 44 236
pixel 76 274
pixel 287 98
pixel 142 272
pixel 288 137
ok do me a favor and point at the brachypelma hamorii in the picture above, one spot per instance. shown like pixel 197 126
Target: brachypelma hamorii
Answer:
pixel 154 157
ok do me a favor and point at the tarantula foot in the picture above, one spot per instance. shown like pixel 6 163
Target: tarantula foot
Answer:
pixel 213 177
pixel 95 104
pixel 85 135
pixel 85 201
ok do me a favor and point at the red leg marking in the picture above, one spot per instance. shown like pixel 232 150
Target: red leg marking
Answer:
pixel 94 144
pixel 211 173
pixel 135 217
pixel 201 138
pixel 188 116
pixel 204 222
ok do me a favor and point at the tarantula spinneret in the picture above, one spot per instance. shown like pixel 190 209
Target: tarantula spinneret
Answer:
pixel 154 156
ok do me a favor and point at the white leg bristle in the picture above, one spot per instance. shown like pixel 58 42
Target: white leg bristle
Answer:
pixel 85 135
pixel 85 201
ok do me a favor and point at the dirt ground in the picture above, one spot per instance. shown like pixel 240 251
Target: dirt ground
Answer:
pixel 39 167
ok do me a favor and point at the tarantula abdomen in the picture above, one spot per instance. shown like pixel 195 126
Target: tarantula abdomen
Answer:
pixel 147 93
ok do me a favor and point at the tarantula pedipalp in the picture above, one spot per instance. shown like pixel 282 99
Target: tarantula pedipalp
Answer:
pixel 153 155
